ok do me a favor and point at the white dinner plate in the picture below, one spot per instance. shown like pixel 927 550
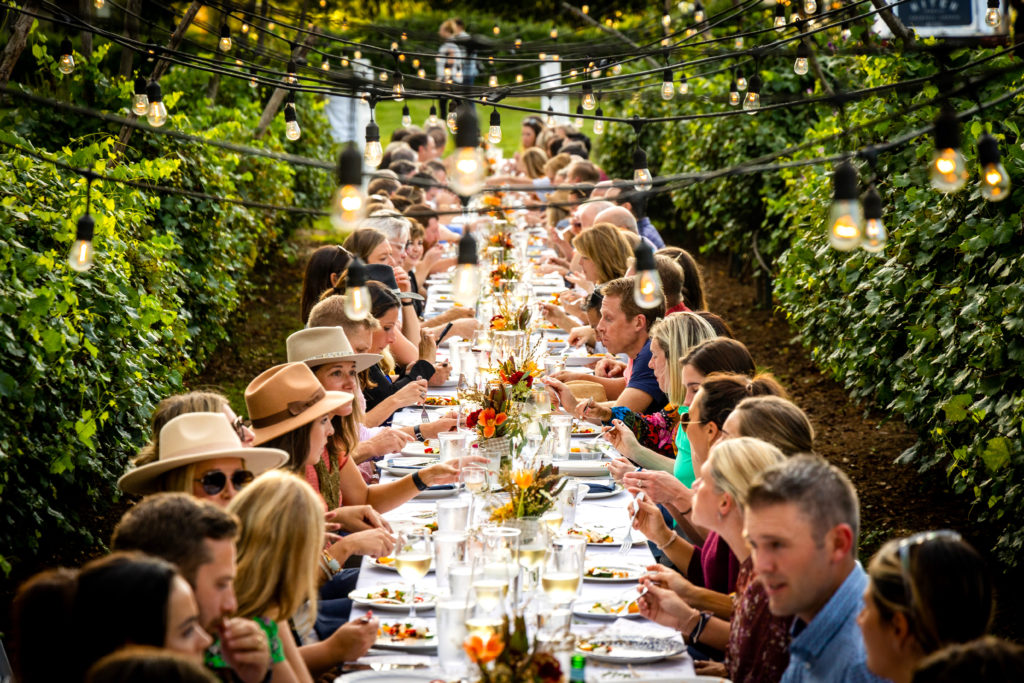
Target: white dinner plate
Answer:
pixel 417 450
pixel 626 649
pixel 427 644
pixel 433 493
pixel 578 361
pixel 425 600
pixel 597 609
pixel 582 468
pixel 388 564
pixel 396 676
pixel 621 572
pixel 593 531
pixel 595 495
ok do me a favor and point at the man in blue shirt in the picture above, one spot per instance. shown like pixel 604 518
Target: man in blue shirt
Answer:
pixel 802 522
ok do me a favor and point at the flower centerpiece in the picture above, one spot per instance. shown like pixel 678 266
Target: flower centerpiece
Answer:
pixel 519 375
pixel 496 421
pixel 531 492
pixel 509 656
pixel 503 272
pixel 510 317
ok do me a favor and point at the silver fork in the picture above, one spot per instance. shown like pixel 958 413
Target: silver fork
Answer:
pixel 424 415
pixel 627 542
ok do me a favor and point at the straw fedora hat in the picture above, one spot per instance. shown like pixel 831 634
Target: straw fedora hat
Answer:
pixel 192 438
pixel 583 389
pixel 286 397
pixel 318 346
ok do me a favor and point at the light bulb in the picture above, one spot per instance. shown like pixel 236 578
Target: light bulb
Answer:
pixel 698 13
pixel 225 38
pixel 800 66
pixel 325 65
pixel 452 121
pixel 140 101
pixel 346 206
pixel 358 54
pixel 875 234
pixel 344 61
pixel 383 76
pixel 494 131
pixel 668 88
pixel 542 56
pixel 398 90
pixel 519 78
pixel 80 256
pixel 578 123
pixel 598 123
pixel 553 33
pixel 948 171
pixel 810 6
pixel 421 73
pixel 344 24
pixel 734 94
pixel 752 102
pixel 432 118
pixel 616 69
pixel 780 17
pixel 737 43
pixel 549 120
pixel 415 63
pixel 741 83
pixel 492 82
pixel 292 70
pixel 466 284
pixel 98 4
pixel 495 29
pixel 684 85
pixel 666 20
pixel 245 28
pixel 394 46
pixel 406 117
pixel 589 101
pixel 585 9
pixel 292 130
pixel 518 43
pixel 992 16
pixel 66 64
pixel 995 182
pixel 373 153
pixel 642 179
pixel 845 219
pixel 647 290
pixel 157 115
pixel 468 176
pixel 357 303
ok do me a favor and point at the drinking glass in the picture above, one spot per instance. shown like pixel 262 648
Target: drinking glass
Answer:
pixel 412 560
pixel 451 634
pixel 452 515
pixel 563 569
pixel 569 499
pixel 449 549
pixel 453 445
pixel 561 430
pixel 460 579
pixel 553 365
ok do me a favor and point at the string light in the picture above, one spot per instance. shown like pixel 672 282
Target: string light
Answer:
pixel 752 102
pixel 357 54
pixel 734 94
pixel 496 29
pixel 466 280
pixel 553 33
pixel 802 55
pixel 373 153
pixel 157 114
pixel 518 42
pixel 432 116
pixel 493 81
pixel 356 303
pixel 406 116
pixel 344 61
pixel 519 78
pixel 741 82
pixel 992 15
pixel 344 24
pixel 668 88
pixel 66 63
pixel 398 89
pixel 810 7
pixel 588 100
pixel 452 120
pixel 291 123
pixel 549 120
pixel 647 289
pixel 780 17
pixel 80 257
pixel 225 38
pixel 875 234
pixel 325 65
pixel 642 178
pixel 494 129
pixel 684 85
pixel 292 72
pixel 98 4
pixel 948 170
pixel 599 123
pixel 469 165
pixel 845 217
pixel 666 20
pixel 995 182
pixel 348 201
pixel 578 121
pixel 698 12
pixel 140 102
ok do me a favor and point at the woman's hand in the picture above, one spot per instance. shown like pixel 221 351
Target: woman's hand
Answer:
pixel 670 579
pixel 448 472
pixel 650 523
pixel 665 607
pixel 372 542
pixel 581 281
pixel 354 639
pixel 442 371
pixel 464 328
pixel 660 487
pixel 561 393
pixel 623 438
pixel 618 467
pixel 428 344
pixel 411 394
pixel 402 279
pixel 356 518
pixel 387 441
pixel 592 410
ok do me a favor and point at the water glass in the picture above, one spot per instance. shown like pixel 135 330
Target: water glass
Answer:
pixel 569 501
pixel 561 431
pixel 501 545
pixel 460 579
pixel 452 515
pixel 553 365
pixel 451 633
pixel 449 549
pixel 453 445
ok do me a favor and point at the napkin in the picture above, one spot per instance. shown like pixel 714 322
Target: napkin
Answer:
pixel 600 488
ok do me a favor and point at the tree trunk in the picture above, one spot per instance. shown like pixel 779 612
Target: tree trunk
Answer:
pixel 131 31
pixel 16 43
pixel 277 98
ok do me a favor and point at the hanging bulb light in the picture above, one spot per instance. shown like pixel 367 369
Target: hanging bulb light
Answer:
pixel 668 88
pixel 80 256
pixel 140 102
pixel 452 120
pixel 684 86
pixel 356 302
pixel 415 63
pixel 553 33
pixel 578 121
pixel 588 100
pixel 992 15
pixel 995 181
pixel 542 56
pixel 344 61
pixel 780 17
pixel 737 43
pixel 496 29
pixel 373 152
pixel 291 123
pixel 615 69
pixel 157 114
pixel 647 289
pixel 734 94
pixel 325 65
pixel 698 12
pixel 344 24
pixel 394 46
pixel 348 201
pixel 466 281
pixel 642 178
pixel 225 38
pixel 803 53
pixel 469 167
pixel 875 234
pixel 810 7
pixel 66 63
pixel 383 76
pixel 599 123
pixel 357 54
pixel 948 172
pixel 549 120
pixel 398 89
pixel 741 82
pixel 292 72
pixel 406 116
pixel 421 73
pixel 432 116
pixel 519 78
pixel 99 4
pixel 518 42
pixel 752 102
pixel 492 81
pixel 253 83
pixel 845 217
pixel 494 130
pixel 666 20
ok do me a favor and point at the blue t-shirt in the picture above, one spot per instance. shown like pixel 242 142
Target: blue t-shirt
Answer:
pixel 642 378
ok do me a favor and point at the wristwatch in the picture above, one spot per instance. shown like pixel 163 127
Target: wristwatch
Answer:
pixel 420 484
pixel 418 433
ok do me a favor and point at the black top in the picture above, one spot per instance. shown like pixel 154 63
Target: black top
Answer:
pixel 385 387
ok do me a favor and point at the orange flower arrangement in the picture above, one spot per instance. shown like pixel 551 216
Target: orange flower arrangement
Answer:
pixel 481 652
pixel 498 416
pixel 531 492
pixel 489 421
pixel 523 478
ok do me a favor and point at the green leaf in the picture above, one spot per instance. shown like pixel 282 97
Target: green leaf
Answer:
pixel 996 454
pixel 956 407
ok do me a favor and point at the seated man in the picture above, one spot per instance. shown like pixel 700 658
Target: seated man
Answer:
pixel 802 522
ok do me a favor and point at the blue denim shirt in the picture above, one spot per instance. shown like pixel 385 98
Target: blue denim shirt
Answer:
pixel 830 647
pixel 647 229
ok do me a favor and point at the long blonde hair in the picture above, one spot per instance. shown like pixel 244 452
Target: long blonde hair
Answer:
pixel 605 245
pixel 677 335
pixel 737 463
pixel 282 523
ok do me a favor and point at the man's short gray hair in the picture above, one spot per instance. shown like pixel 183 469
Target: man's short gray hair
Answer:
pixel 392 224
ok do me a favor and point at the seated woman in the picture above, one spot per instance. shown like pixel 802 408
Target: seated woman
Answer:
pixel 925 592
pixel 325 270
pixel 756 644
pixel 280 554
pixel 192 402
pixel 663 442
pixel 117 600
pixel 144 664
pixel 199 453
pixel 774 419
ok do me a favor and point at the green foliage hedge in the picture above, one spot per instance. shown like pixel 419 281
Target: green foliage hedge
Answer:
pixel 930 329
pixel 84 357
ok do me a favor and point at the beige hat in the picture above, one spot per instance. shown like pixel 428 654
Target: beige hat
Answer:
pixel 195 437
pixel 286 397
pixel 321 345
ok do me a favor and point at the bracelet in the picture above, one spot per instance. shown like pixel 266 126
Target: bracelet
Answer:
pixel 418 433
pixel 418 481
pixel 672 540
pixel 705 617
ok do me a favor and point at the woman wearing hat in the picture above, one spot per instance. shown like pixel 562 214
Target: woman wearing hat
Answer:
pixel 201 454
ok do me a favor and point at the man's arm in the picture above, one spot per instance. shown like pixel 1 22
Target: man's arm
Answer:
pixel 636 400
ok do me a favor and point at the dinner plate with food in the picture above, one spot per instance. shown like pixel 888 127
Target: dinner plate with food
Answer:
pixel 411 635
pixel 607 609
pixel 429 448
pixel 392 597
pixel 388 562
pixel 610 571
pixel 438 401
pixel 628 649
pixel 595 535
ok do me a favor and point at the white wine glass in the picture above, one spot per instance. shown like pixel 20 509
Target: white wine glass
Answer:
pixel 412 560
pixel 563 569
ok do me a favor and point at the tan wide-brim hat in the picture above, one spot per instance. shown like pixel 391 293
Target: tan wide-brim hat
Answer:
pixel 318 346
pixel 286 397
pixel 192 438
pixel 582 389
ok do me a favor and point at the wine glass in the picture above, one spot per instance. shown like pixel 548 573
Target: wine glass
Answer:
pixel 474 478
pixel 563 569
pixel 412 560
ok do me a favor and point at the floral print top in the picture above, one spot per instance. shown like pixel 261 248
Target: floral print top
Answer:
pixel 758 647
pixel 655 431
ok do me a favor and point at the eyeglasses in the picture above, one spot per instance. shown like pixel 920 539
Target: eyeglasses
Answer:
pixel 214 481
pixel 903 550
pixel 240 426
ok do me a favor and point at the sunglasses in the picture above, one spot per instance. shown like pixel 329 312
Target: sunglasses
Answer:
pixel 214 481
pixel 903 550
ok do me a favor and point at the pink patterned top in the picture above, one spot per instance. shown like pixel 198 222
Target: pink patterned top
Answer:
pixel 758 647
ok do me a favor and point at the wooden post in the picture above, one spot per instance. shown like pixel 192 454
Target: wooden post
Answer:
pixel 898 28
pixel 131 30
pixel 16 43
